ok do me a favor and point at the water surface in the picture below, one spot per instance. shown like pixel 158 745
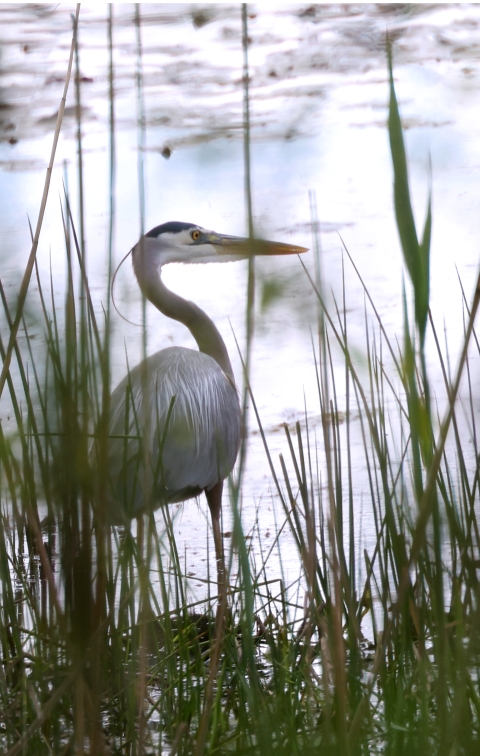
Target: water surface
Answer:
pixel 318 107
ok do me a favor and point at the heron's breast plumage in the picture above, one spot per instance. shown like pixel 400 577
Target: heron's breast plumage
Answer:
pixel 175 430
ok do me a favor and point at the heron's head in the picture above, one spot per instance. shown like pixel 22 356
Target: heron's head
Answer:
pixel 176 242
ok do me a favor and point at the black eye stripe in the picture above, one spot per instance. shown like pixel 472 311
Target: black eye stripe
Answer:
pixel 172 227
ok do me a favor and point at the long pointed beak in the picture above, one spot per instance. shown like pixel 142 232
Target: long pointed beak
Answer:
pixel 238 245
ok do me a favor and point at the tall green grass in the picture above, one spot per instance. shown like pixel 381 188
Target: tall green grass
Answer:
pixel 101 651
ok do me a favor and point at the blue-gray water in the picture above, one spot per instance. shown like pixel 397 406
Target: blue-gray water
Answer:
pixel 318 107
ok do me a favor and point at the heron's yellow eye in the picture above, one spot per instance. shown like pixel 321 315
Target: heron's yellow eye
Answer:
pixel 196 235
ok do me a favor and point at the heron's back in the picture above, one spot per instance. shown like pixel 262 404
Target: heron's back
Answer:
pixel 175 431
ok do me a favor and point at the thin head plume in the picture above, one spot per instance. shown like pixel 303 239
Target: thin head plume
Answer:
pixel 112 290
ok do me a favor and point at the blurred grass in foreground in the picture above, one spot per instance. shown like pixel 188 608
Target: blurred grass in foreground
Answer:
pixel 97 658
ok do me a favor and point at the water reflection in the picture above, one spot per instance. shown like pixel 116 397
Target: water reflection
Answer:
pixel 318 85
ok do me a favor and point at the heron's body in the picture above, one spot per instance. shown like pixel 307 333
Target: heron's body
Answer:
pixel 191 424
pixel 175 418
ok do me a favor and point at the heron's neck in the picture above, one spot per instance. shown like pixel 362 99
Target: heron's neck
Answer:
pixel 203 330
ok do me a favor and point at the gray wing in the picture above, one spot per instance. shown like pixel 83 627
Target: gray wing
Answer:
pixel 176 439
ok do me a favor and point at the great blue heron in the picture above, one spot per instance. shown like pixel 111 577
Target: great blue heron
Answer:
pixel 175 419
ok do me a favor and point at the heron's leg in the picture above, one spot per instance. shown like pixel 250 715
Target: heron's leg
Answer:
pixel 214 499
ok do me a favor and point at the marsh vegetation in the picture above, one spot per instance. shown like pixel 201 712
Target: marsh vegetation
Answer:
pixel 375 649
